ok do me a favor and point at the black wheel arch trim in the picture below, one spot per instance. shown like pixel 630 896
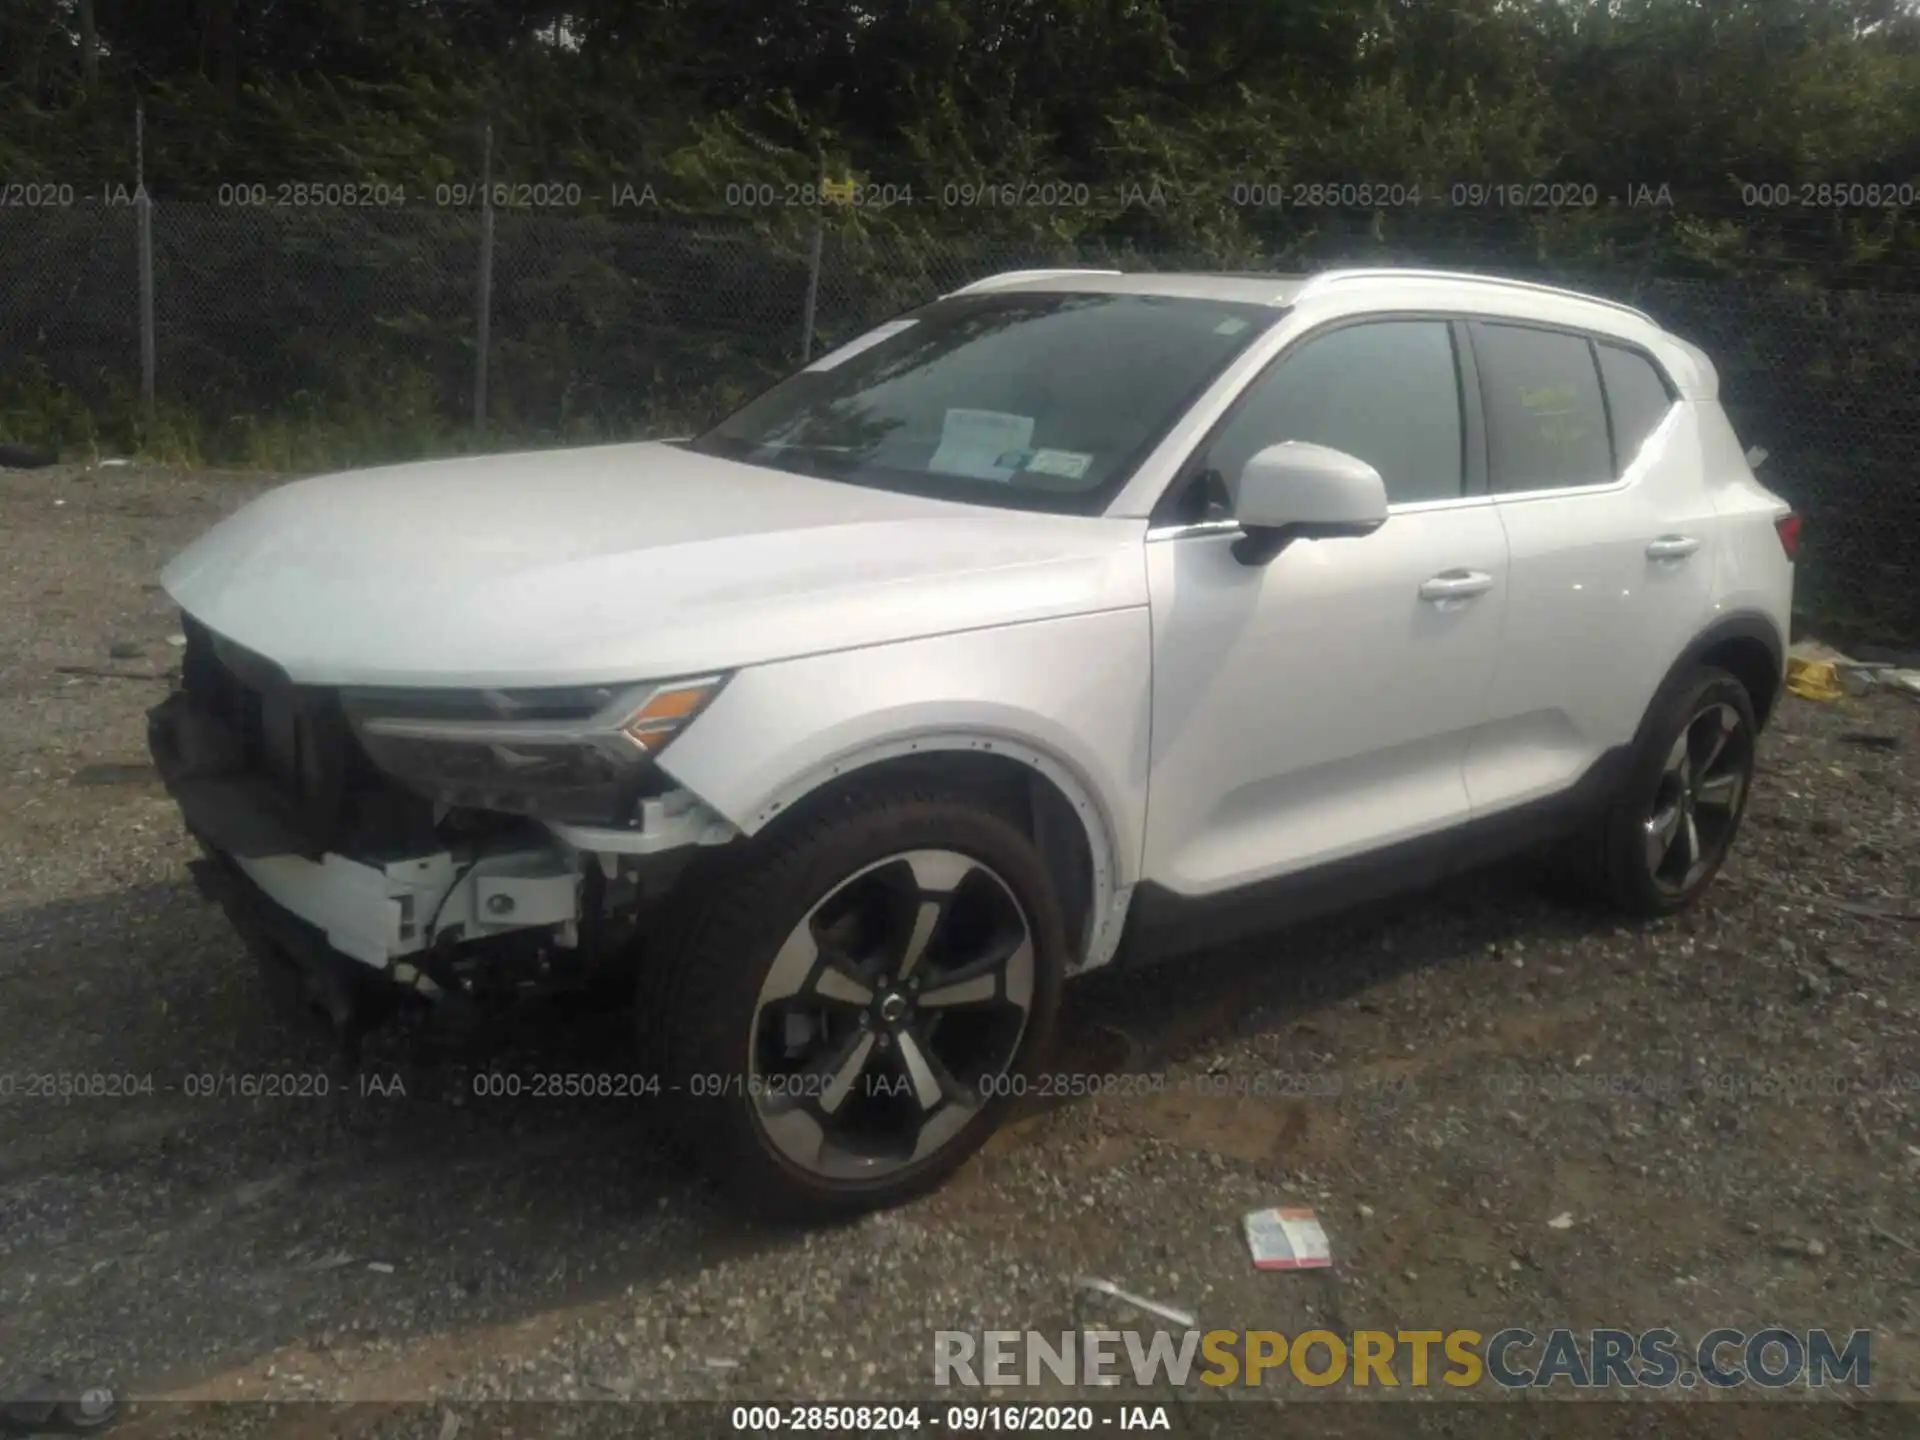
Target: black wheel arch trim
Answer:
pixel 1740 625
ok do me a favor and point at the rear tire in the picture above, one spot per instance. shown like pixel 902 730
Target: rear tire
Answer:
pixel 845 1009
pixel 1668 829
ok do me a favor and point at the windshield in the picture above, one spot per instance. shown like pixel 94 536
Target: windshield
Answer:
pixel 1043 401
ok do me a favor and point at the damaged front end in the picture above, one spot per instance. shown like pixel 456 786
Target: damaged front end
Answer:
pixel 453 846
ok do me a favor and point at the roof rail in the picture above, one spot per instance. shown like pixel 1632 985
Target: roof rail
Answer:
pixel 1013 277
pixel 1334 277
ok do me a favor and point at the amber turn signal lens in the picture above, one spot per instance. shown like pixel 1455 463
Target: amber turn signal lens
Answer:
pixel 666 712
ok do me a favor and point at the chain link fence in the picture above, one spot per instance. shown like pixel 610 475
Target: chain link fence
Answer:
pixel 303 337
pixel 602 328
pixel 69 318
pixel 268 324
pixel 1828 383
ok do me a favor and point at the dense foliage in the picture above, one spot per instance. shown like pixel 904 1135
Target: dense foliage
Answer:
pixel 1165 111
pixel 1747 169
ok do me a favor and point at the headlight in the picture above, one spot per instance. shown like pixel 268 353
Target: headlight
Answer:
pixel 581 754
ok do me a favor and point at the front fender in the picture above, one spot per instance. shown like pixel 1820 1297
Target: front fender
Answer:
pixel 1069 698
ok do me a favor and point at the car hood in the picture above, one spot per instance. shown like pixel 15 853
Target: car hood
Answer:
pixel 621 562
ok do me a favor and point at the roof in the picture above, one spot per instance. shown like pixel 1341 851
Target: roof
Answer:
pixel 1281 290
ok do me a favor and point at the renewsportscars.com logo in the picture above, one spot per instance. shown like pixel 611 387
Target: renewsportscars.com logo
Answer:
pixel 1514 1359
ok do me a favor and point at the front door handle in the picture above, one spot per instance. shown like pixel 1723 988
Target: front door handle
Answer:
pixel 1456 585
pixel 1672 547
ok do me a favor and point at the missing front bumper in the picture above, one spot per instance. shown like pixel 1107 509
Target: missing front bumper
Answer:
pixel 378 913
pixel 401 899
pixel 375 911
pixel 306 977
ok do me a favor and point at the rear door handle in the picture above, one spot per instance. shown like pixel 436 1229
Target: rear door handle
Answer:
pixel 1672 547
pixel 1456 585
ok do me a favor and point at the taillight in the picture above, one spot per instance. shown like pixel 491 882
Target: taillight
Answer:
pixel 1788 529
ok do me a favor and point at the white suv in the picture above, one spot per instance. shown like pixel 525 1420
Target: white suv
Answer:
pixel 1075 615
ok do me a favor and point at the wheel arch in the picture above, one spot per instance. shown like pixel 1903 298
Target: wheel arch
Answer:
pixel 1042 793
pixel 1747 645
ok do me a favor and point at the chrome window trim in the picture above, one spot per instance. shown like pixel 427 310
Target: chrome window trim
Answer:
pixel 1451 502
pixel 1204 528
pixel 1556 492
pixel 1158 533
pixel 1629 477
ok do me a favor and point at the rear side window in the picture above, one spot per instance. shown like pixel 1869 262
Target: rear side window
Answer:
pixel 1637 400
pixel 1546 422
pixel 1387 391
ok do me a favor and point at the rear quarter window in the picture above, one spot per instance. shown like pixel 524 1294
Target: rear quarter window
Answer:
pixel 1638 398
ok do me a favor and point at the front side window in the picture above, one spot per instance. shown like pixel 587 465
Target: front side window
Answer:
pixel 1386 392
pixel 1033 401
pixel 1546 423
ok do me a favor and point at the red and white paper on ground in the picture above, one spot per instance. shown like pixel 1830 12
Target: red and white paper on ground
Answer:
pixel 1287 1237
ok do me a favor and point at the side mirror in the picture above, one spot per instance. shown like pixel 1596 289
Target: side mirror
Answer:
pixel 1298 491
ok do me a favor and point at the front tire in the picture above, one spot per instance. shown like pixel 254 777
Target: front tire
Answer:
pixel 845 1012
pixel 1667 833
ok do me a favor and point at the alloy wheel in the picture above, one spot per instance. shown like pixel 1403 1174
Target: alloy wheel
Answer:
pixel 1697 801
pixel 891 1015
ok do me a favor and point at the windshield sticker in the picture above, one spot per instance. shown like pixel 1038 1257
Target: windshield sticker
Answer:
pixel 982 444
pixel 1230 326
pixel 865 342
pixel 1068 464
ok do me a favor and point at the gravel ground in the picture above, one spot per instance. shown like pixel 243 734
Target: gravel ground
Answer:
pixel 1723 1106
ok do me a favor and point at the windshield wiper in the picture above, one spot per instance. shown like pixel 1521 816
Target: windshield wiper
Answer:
pixel 778 453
